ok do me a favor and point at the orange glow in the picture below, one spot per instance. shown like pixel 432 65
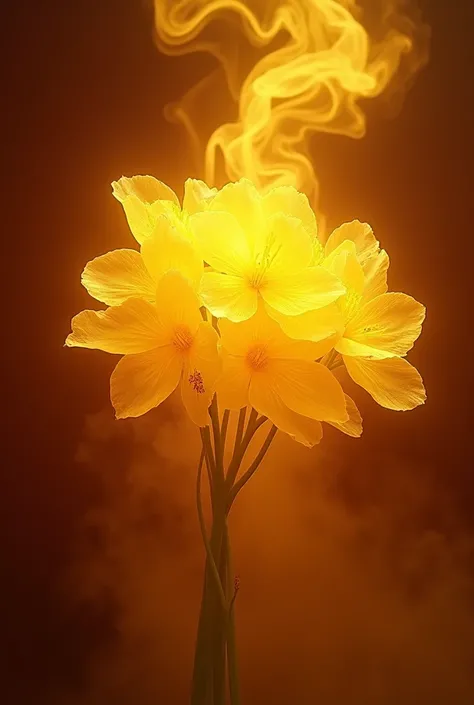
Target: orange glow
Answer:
pixel 289 68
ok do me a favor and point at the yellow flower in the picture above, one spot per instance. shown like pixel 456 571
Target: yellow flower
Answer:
pixel 144 199
pixel 278 377
pixel 326 323
pixel 164 345
pixel 379 331
pixel 260 248
pixel 118 275
pixel 373 330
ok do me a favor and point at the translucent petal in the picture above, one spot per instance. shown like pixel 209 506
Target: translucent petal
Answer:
pixel 346 346
pixel 243 201
pixel 146 188
pixel 141 382
pixel 116 276
pixel 309 388
pixel 343 264
pixel 238 338
pixel 352 427
pixel 293 294
pixel 393 383
pixel 221 241
pixel 324 325
pixel 143 198
pixel 287 248
pixel 201 370
pixel 131 327
pixel 288 200
pixel 177 303
pixel 360 234
pixel 385 326
pixel 267 402
pixel 197 195
pixel 229 296
pixel 233 384
pixel 375 272
pixel 166 249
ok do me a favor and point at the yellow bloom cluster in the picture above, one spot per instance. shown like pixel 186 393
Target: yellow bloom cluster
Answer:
pixel 233 293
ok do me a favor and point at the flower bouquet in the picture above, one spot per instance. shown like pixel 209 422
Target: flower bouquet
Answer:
pixel 233 299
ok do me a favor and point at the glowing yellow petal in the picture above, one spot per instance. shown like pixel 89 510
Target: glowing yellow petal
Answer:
pixel 146 188
pixel 201 369
pixel 166 249
pixel 139 217
pixel 238 338
pixel 343 263
pixel 141 382
pixel 393 383
pixel 288 200
pixel 116 276
pixel 197 195
pixel 233 384
pixel 324 325
pixel 375 272
pixel 352 427
pixel 287 249
pixel 360 234
pixel 143 198
pixel 346 346
pixel 177 303
pixel 383 327
pixel 242 200
pixel 131 327
pixel 221 241
pixel 267 402
pixel 308 388
pixel 293 294
pixel 229 296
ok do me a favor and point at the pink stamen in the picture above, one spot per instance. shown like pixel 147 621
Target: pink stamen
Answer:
pixel 196 381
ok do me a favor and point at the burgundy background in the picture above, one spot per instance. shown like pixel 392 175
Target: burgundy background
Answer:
pixel 84 90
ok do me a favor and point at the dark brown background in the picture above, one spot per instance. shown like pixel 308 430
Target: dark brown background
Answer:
pixel 356 560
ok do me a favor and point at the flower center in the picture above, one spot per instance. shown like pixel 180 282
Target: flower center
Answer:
pixel 257 357
pixel 182 338
pixel 196 381
pixel 257 277
pixel 263 261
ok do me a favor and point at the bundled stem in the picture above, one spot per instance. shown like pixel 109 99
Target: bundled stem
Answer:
pixel 232 584
pixel 216 643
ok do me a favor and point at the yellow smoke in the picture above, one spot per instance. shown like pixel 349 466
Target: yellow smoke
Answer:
pixel 286 68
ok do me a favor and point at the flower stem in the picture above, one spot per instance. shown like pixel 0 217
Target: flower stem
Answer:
pixel 219 607
pixel 220 637
pixel 199 694
pixel 212 589
pixel 239 431
pixel 247 475
pixel 216 642
pixel 203 658
pixel 218 445
pixel 241 446
pixel 231 640
pixel 225 424
pixel 207 545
